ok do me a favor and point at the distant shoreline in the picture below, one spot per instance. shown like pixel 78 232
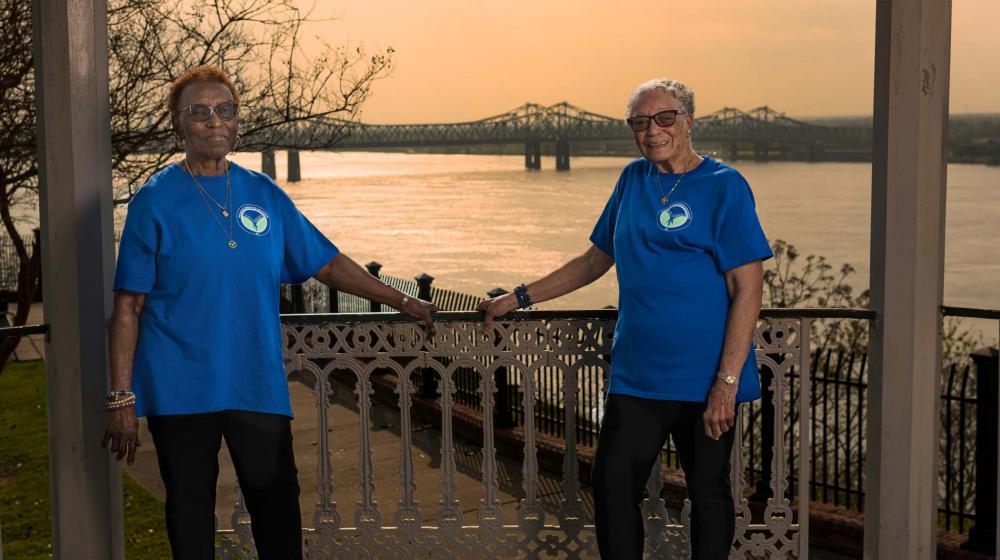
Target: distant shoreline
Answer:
pixel 627 149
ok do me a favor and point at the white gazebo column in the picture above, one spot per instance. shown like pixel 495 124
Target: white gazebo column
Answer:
pixel 74 139
pixel 912 53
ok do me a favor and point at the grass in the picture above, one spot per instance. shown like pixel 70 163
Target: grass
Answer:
pixel 25 507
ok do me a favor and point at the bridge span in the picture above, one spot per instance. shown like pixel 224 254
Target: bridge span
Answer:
pixel 760 134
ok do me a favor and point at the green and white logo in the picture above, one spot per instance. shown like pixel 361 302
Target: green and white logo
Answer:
pixel 253 219
pixel 675 217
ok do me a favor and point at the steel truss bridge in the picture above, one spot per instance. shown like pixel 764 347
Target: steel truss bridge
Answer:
pixel 761 134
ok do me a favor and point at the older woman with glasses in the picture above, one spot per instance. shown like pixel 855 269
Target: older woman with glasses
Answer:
pixel 683 231
pixel 195 336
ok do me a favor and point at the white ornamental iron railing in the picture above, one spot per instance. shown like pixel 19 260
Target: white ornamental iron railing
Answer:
pixel 318 345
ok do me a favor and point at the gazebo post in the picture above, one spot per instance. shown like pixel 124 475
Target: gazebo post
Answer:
pixel 75 206
pixel 912 60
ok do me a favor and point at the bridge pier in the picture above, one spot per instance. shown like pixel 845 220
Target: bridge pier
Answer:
pixel 562 156
pixel 533 155
pixel 760 151
pixel 733 152
pixel 815 151
pixel 267 163
pixel 294 167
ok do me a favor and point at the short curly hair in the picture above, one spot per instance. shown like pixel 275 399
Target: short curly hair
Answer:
pixel 680 91
pixel 206 73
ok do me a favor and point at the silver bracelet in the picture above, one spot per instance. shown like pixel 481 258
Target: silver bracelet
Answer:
pixel 402 304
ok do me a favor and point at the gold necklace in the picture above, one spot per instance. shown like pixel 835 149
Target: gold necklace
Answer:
pixel 665 198
pixel 206 196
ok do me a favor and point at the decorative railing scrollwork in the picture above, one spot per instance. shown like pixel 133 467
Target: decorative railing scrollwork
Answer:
pixel 392 346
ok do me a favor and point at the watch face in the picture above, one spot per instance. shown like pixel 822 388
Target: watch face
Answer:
pixel 727 379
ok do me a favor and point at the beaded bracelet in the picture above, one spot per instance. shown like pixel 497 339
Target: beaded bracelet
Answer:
pixel 128 399
pixel 523 299
pixel 120 403
pixel 110 408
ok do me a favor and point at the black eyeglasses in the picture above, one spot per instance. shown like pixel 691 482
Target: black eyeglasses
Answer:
pixel 201 113
pixel 663 119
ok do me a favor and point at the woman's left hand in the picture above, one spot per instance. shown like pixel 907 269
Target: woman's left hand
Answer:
pixel 421 310
pixel 496 307
pixel 720 412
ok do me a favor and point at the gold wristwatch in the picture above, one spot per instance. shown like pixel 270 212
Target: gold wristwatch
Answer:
pixel 730 380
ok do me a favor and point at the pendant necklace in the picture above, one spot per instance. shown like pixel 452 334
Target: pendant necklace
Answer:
pixel 665 198
pixel 206 197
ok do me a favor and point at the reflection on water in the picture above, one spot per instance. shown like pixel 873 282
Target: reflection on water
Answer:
pixel 476 222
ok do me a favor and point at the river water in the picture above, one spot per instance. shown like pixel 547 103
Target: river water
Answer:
pixel 475 222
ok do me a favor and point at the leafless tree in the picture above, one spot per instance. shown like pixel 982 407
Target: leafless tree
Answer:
pixel 150 42
pixel 18 167
pixel 258 43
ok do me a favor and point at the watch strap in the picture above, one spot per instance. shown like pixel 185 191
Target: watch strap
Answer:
pixel 727 378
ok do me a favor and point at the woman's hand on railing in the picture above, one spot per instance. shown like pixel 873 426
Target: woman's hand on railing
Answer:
pixel 122 433
pixel 422 310
pixel 496 307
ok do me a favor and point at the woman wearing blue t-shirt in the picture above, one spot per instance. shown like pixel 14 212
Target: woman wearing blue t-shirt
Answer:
pixel 684 235
pixel 195 336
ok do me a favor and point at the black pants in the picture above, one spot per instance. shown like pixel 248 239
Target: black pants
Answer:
pixel 187 448
pixel 632 434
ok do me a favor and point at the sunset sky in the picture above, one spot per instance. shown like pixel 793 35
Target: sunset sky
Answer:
pixel 461 60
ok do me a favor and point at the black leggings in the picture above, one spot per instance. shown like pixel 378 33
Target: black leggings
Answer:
pixel 632 434
pixel 187 448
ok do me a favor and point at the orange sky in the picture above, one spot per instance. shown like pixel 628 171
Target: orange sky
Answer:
pixel 467 59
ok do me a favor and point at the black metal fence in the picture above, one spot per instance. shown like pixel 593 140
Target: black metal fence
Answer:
pixel 958 446
pixel 839 385
pixel 315 297
pixel 837 429
pixel 550 411
pixel 10 270
pixel 9 262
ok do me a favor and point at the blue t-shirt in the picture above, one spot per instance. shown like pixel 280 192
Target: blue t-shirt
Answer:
pixel 673 301
pixel 210 333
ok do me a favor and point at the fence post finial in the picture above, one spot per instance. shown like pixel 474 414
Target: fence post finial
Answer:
pixel 424 286
pixel 497 292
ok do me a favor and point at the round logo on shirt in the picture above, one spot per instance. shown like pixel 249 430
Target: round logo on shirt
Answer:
pixel 675 217
pixel 253 219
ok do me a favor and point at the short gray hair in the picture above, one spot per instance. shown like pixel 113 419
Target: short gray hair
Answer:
pixel 673 87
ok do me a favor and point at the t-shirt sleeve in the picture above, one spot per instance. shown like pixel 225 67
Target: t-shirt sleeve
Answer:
pixel 306 249
pixel 603 236
pixel 739 237
pixel 137 249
